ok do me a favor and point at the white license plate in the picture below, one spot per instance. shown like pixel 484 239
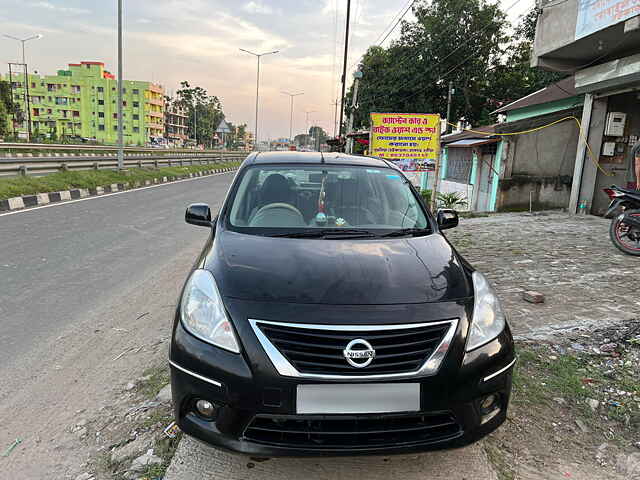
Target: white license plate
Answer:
pixel 358 398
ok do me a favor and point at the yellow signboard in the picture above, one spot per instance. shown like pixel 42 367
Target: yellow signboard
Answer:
pixel 410 140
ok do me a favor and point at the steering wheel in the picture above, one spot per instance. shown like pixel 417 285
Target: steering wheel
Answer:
pixel 278 206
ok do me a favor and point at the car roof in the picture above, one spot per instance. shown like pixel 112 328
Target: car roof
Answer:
pixel 328 158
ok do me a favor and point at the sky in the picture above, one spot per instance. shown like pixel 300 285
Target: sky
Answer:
pixel 168 41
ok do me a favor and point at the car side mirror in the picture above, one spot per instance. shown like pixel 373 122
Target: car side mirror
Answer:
pixel 198 214
pixel 447 218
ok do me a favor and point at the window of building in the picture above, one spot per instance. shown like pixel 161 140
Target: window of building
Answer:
pixel 459 163
pixel 113 89
pixel 124 103
pixel 136 116
pixel 100 89
pixel 49 99
pixel 49 111
pixel 115 115
pixel 136 104
pixel 136 91
pixel 136 130
pixel 100 102
pixel 115 127
pixel 124 90
pixel 36 112
pixel 101 127
pixel 76 113
pixel 75 88
pixel 62 101
pixel 100 114
pixel 88 66
pixel 33 84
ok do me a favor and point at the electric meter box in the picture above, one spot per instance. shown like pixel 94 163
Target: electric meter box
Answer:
pixel 615 124
pixel 608 149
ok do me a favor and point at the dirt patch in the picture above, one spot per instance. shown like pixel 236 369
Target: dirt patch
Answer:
pixel 575 410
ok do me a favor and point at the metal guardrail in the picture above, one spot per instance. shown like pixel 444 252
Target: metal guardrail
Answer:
pixel 83 146
pixel 10 167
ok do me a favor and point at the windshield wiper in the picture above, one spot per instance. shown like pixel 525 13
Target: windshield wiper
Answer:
pixel 403 232
pixel 331 233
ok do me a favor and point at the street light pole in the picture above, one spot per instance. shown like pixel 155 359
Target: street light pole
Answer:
pixel 120 91
pixel 291 95
pixel 344 67
pixel 26 78
pixel 258 55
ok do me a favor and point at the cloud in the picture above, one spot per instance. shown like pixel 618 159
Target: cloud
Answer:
pixel 56 8
pixel 144 21
pixel 257 7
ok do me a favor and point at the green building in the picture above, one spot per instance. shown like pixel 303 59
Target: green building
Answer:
pixel 82 102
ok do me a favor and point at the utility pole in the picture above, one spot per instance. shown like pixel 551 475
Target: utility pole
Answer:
pixel 344 66
pixel 257 55
pixel 195 121
pixel 354 101
pixel 26 79
pixel 291 95
pixel 120 91
pixel 335 117
pixel 446 130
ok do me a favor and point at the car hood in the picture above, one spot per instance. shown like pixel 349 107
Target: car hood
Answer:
pixel 339 272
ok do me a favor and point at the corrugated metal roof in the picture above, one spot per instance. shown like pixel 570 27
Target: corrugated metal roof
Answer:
pixel 472 142
pixel 565 88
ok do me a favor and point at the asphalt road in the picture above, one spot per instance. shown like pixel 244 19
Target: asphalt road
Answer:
pixel 57 262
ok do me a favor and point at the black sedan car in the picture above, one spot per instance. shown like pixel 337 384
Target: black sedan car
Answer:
pixel 328 315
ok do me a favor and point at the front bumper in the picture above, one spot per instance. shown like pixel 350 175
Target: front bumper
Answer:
pixel 253 399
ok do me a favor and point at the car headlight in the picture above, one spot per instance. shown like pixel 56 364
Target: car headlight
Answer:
pixel 488 318
pixel 203 314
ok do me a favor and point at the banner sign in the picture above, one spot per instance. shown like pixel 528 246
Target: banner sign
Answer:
pixel 410 140
pixel 594 15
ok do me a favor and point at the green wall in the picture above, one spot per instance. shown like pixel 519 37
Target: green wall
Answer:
pixel 83 101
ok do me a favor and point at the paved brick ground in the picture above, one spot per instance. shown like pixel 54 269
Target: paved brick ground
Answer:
pixel 569 259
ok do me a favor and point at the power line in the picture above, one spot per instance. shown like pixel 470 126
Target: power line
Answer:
pixel 471 38
pixel 397 22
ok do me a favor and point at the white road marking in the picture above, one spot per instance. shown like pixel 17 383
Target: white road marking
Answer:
pixel 58 204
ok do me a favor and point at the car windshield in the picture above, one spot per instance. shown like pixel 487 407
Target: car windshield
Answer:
pixel 323 200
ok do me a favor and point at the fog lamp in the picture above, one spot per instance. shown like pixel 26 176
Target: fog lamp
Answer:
pixel 488 403
pixel 206 408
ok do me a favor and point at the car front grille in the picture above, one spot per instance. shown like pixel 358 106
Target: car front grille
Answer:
pixel 348 431
pixel 320 351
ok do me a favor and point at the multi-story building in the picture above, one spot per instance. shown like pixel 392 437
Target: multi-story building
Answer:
pixel 82 101
pixel 176 126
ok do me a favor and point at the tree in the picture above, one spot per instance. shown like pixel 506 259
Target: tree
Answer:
pixel 7 108
pixel 205 112
pixel 515 78
pixel 466 42
pixel 456 40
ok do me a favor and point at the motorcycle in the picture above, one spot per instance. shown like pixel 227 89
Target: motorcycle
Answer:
pixel 624 211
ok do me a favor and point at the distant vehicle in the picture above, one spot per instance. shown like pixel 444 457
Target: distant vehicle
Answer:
pixel 328 315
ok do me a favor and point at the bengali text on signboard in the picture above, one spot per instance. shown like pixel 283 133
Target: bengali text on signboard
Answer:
pixel 594 15
pixel 410 140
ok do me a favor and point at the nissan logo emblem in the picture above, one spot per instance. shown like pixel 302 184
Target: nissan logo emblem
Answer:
pixel 359 353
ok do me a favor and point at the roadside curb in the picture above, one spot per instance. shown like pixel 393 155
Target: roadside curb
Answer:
pixel 38 199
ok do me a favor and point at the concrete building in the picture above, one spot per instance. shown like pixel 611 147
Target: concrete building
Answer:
pixel 599 43
pixel 498 168
pixel 82 102
pixel 176 123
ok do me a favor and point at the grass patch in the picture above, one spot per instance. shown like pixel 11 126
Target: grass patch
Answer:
pixel 155 379
pixel 15 187
pixel 542 375
pixel 499 462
